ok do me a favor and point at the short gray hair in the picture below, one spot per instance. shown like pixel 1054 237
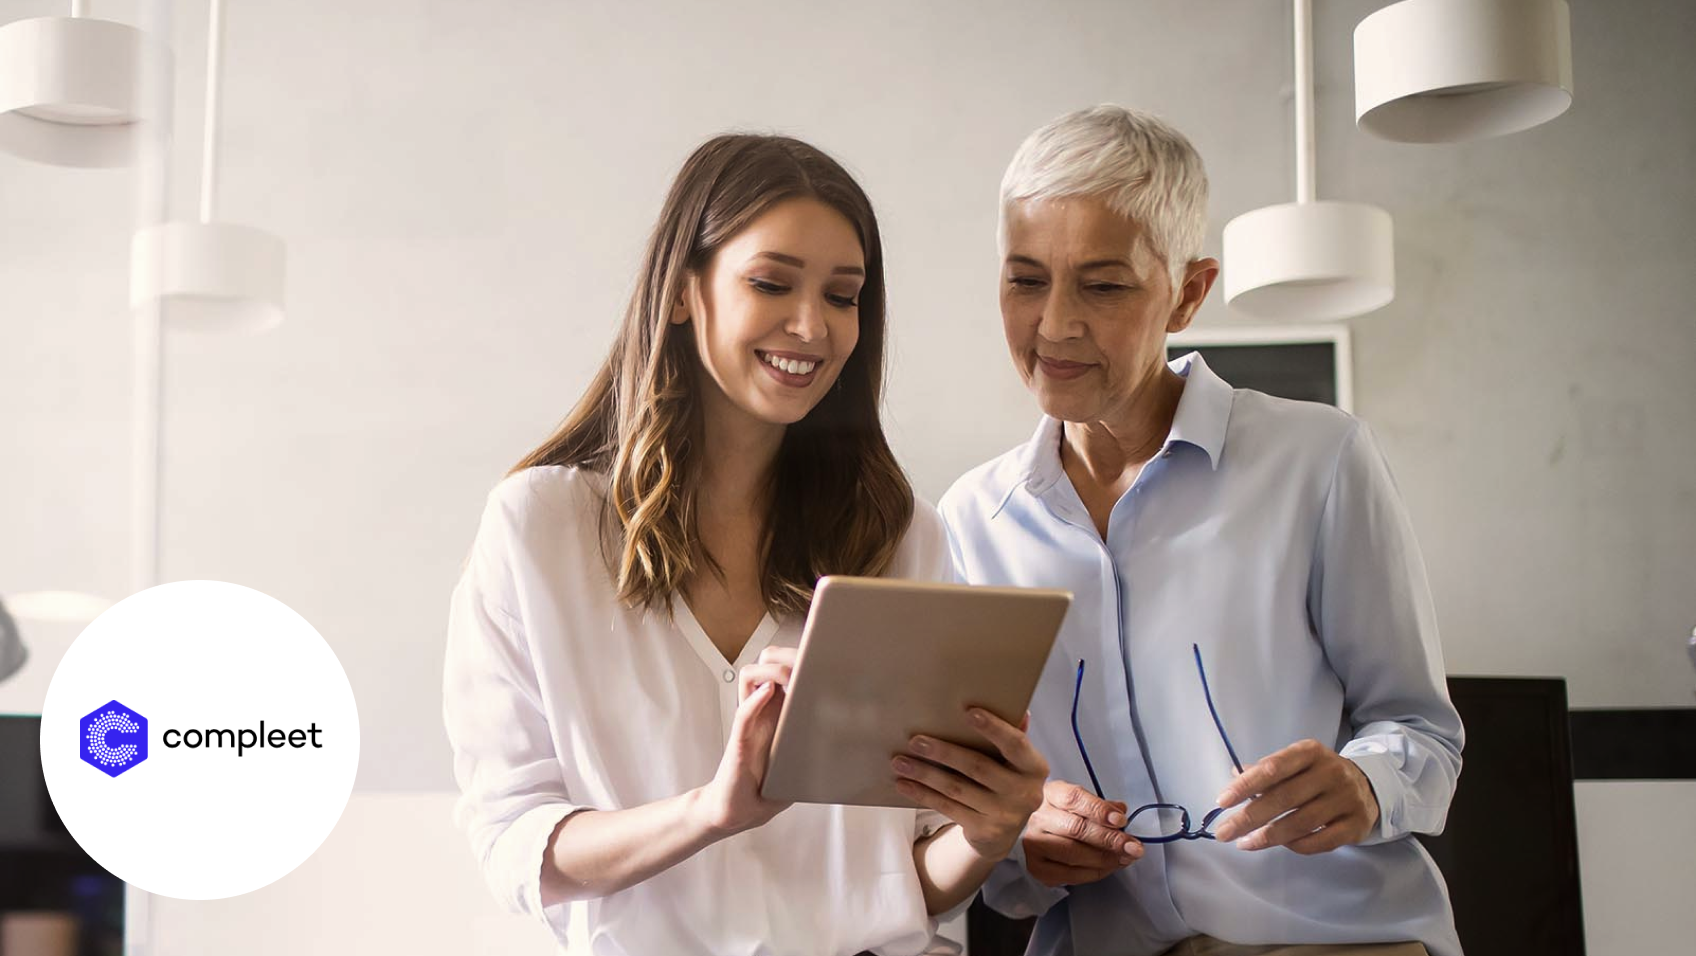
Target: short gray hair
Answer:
pixel 1134 161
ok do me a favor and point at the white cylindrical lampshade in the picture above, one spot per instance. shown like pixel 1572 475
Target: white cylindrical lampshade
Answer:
pixel 1443 71
pixel 1310 261
pixel 209 276
pixel 75 91
pixel 64 607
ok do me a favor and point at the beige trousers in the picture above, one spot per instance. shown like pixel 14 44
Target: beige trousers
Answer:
pixel 1208 946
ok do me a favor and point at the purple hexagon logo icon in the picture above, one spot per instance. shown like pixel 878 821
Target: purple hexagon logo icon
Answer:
pixel 114 738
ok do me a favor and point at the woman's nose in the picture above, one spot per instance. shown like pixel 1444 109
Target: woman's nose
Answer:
pixel 1058 320
pixel 808 323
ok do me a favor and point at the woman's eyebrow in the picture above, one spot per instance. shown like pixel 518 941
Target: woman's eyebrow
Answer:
pixel 1106 264
pixel 798 263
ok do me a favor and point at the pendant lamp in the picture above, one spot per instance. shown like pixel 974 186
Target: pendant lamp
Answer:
pixel 1445 71
pixel 209 275
pixel 78 91
pixel 49 607
pixel 62 607
pixel 1309 260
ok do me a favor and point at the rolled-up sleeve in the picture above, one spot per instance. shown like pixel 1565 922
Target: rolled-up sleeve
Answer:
pixel 512 795
pixel 1012 891
pixel 1371 604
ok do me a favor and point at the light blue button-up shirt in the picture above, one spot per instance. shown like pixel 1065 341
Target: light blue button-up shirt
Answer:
pixel 1269 533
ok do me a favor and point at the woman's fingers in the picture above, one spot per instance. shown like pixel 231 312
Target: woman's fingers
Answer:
pixel 1064 850
pixel 1263 775
pixel 1294 825
pixel 733 796
pixel 1020 758
pixel 969 763
pixel 765 672
pixel 750 706
pixel 1073 799
pixel 931 799
pixel 747 729
pixel 1015 747
pixel 1096 843
pixel 1287 795
pixel 1325 839
pixel 1077 837
pixel 1312 800
pixel 775 665
pixel 1050 873
pixel 945 783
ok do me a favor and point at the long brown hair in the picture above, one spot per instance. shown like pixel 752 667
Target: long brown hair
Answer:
pixel 837 494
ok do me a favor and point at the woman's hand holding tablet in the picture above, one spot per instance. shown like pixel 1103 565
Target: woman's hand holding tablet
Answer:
pixel 989 798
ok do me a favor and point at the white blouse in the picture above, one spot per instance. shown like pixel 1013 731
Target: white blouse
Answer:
pixel 559 698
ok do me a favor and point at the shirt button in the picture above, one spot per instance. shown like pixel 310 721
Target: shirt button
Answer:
pixel 729 675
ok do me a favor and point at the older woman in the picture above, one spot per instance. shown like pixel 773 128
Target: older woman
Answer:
pixel 1252 621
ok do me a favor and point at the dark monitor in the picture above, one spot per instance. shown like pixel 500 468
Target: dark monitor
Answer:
pixel 42 869
pixel 1510 850
pixel 1306 371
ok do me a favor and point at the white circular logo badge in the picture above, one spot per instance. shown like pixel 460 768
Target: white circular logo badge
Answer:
pixel 199 740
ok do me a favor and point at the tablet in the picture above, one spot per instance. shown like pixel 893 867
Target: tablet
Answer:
pixel 881 660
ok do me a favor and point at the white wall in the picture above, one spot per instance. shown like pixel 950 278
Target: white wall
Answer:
pixel 1635 865
pixel 465 187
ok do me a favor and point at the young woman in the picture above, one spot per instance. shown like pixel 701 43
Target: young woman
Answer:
pixel 626 622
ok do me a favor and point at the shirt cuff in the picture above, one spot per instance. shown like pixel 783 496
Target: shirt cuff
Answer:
pixel 1381 771
pixel 927 822
pixel 1012 891
pixel 520 853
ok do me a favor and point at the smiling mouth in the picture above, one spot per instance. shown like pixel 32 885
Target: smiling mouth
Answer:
pixel 796 371
pixel 1062 369
pixel 793 366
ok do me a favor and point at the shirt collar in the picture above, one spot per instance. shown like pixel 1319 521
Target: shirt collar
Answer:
pixel 1204 411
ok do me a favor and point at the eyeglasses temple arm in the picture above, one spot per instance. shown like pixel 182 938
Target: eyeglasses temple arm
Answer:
pixel 1077 692
pixel 1210 708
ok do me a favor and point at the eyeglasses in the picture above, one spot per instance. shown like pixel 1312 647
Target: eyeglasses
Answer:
pixel 1160 822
